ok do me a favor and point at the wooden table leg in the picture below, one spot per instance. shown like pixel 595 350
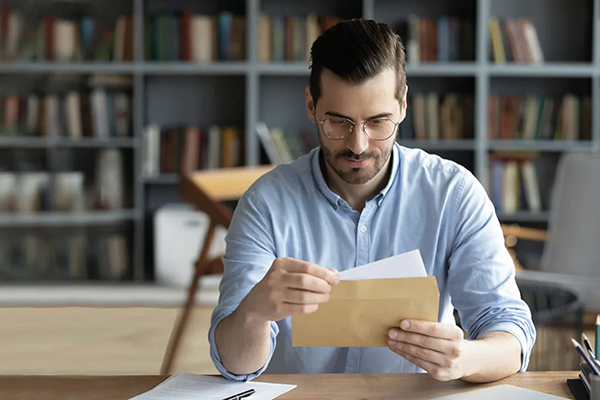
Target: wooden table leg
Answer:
pixel 202 268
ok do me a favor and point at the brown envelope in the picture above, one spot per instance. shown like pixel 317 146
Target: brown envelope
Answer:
pixel 360 313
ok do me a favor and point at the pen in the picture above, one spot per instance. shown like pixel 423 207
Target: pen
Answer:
pixel 586 357
pixel 588 346
pixel 242 395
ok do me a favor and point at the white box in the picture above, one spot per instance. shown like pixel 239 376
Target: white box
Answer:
pixel 179 232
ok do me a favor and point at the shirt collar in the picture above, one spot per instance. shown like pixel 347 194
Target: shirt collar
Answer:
pixel 336 200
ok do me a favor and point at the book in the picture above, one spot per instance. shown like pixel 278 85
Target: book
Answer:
pixel 497 42
pixel 122 111
pixel 68 191
pixel 531 186
pixel 152 150
pixel 213 159
pixel 73 115
pixel 8 186
pixel 109 184
pixel 264 38
pixel 268 143
pixel 511 188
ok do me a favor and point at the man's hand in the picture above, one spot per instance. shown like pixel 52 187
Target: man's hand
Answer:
pixel 290 287
pixel 440 349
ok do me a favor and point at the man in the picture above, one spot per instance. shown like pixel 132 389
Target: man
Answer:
pixel 358 198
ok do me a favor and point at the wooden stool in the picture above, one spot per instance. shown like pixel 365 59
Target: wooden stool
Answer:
pixel 206 190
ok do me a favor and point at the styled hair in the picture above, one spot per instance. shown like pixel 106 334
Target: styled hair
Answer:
pixel 356 50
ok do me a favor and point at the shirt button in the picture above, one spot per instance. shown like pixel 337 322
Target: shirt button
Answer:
pixel 363 229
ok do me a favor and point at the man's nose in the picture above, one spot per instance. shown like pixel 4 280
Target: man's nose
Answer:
pixel 357 142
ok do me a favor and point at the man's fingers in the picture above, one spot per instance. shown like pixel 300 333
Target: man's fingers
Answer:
pixel 295 296
pixel 432 369
pixel 428 342
pixel 292 309
pixel 432 329
pixel 422 353
pixel 301 267
pixel 306 282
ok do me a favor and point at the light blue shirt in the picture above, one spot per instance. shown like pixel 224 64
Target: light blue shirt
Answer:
pixel 429 203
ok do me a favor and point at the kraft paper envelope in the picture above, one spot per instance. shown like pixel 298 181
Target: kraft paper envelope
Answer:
pixel 360 313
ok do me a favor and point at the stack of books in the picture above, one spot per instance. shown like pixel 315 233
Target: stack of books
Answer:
pixel 514 40
pixel 171 149
pixel 537 116
pixel 53 38
pixel 514 184
pixel 437 39
pixel 184 36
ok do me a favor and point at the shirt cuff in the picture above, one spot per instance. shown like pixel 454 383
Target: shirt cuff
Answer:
pixel 214 353
pixel 518 333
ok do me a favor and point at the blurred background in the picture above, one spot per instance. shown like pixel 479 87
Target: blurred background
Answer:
pixel 104 102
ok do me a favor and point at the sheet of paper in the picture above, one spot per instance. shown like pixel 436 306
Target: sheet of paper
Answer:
pixel 196 387
pixel 405 265
pixel 502 392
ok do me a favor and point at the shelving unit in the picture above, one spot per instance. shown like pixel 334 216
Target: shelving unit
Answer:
pixel 67 219
pixel 245 92
pixel 36 142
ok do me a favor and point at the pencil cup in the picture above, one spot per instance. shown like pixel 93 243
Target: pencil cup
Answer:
pixel 595 386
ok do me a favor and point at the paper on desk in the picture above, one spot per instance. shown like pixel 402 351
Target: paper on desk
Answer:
pixel 502 392
pixel 361 310
pixel 405 265
pixel 196 387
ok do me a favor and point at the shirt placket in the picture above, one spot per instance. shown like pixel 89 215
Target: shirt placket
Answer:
pixel 362 257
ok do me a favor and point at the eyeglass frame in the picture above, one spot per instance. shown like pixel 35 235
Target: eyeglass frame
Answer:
pixel 363 128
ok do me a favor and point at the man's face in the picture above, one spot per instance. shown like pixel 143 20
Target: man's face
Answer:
pixel 356 159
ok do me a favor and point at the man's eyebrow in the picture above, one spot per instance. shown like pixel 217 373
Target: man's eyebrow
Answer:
pixel 337 114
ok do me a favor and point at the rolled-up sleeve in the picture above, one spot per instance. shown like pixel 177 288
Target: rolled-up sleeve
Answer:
pixel 481 276
pixel 248 256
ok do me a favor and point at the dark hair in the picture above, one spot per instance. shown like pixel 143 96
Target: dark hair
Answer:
pixel 356 50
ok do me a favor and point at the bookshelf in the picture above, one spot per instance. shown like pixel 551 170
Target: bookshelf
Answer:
pixel 244 92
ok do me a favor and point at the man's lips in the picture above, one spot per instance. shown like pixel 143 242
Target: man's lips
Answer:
pixel 356 163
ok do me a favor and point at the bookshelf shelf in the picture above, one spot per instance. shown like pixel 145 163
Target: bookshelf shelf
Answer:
pixel 66 219
pixel 524 216
pixel 68 67
pixel 440 145
pixel 95 143
pixel 541 145
pixel 284 69
pixel 32 142
pixel 467 69
pixel 20 142
pixel 183 68
pixel 558 70
pixel 165 179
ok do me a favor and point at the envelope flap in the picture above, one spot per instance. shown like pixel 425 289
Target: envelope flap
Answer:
pixel 394 288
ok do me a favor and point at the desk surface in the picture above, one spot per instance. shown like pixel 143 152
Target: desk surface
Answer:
pixel 339 386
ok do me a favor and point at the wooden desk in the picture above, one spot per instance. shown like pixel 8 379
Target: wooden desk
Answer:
pixel 342 386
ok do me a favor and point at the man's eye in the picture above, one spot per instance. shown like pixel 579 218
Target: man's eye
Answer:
pixel 377 121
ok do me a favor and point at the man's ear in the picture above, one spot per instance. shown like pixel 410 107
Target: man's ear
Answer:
pixel 310 105
pixel 403 104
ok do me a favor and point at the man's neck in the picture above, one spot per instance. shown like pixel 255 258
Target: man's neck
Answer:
pixel 356 195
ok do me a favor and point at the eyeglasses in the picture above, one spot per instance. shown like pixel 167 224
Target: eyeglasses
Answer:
pixel 338 128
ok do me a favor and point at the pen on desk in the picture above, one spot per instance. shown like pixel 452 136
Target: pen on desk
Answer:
pixel 586 357
pixel 588 346
pixel 242 395
pixel 597 341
